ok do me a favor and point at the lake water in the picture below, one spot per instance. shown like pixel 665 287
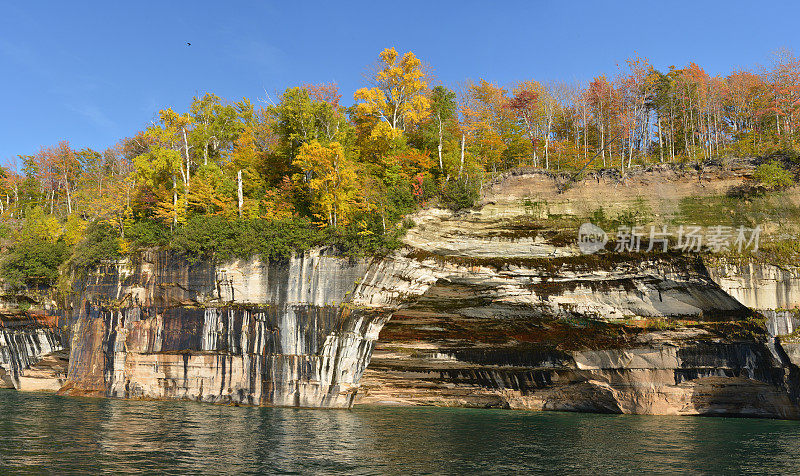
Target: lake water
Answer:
pixel 46 433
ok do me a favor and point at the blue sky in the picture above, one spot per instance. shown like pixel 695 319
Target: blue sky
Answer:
pixel 94 72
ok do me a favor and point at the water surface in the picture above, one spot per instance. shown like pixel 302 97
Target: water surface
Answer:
pixel 46 433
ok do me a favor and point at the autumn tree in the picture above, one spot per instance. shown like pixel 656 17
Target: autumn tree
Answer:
pixel 441 129
pixel 743 91
pixel 397 97
pixel 216 126
pixel 601 97
pixel 67 168
pixel 661 105
pixel 635 89
pixel 523 105
pixel 549 107
pixel 39 247
pixel 331 180
pixel 115 183
pixel 8 181
pixel 247 161
pixel 331 120
pixel 493 133
pixel 784 81
pixel 301 118
pixel 165 160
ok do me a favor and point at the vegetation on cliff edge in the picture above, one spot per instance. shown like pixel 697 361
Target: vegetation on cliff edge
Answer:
pixel 234 178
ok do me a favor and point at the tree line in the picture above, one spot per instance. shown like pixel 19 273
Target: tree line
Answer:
pixel 305 160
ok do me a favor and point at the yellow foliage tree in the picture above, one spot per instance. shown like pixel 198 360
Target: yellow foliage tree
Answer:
pixel 173 134
pixel 397 97
pixel 485 121
pixel 331 180
pixel 170 208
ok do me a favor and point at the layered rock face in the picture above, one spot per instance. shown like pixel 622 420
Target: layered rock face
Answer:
pixel 491 307
pixel 24 341
pixel 572 333
pixel 242 332
pixel 758 285
pixel 644 336
pixel 518 319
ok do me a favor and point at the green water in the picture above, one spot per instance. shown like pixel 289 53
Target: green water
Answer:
pixel 50 434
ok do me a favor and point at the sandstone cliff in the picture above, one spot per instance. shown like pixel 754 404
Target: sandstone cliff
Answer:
pixel 526 322
pixel 240 332
pixel 494 306
pixel 25 340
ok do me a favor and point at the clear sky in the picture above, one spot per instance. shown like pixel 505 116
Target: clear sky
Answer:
pixel 94 72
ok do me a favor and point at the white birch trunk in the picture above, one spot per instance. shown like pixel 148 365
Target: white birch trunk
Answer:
pixel 240 193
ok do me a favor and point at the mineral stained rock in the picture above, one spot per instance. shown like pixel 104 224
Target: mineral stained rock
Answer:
pixel 24 341
pixel 538 334
pixel 532 337
pixel 491 307
pixel 519 319
pixel 250 333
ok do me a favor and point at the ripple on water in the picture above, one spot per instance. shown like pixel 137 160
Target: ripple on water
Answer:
pixel 46 433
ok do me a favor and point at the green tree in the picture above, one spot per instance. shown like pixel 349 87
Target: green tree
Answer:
pixel 440 129
pixel 773 176
pixel 38 249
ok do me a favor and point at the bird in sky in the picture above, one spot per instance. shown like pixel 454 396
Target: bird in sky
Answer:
pixel 188 44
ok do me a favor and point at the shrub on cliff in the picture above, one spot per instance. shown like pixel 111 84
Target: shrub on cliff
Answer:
pixel 144 233
pixel 459 194
pixel 101 241
pixel 33 262
pixel 220 238
pixel 366 236
pixel 38 248
pixel 773 176
pixel 203 237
